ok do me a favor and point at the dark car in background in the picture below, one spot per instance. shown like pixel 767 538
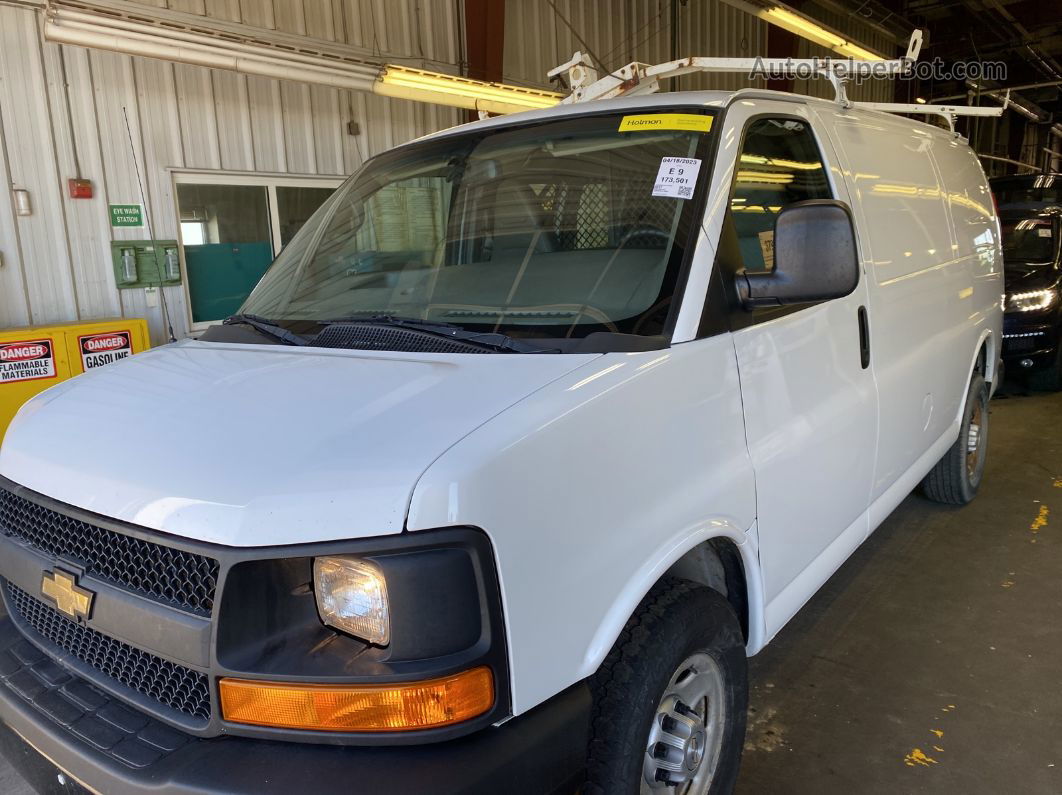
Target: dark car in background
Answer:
pixel 1032 323
pixel 1030 192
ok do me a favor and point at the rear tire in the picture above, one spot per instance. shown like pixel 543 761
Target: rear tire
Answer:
pixel 1050 378
pixel 684 643
pixel 956 477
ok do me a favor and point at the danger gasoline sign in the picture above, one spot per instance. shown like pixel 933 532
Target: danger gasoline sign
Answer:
pixel 100 349
pixel 26 360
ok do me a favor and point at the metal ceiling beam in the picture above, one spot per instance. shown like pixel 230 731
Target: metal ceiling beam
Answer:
pixel 1052 69
pixel 1023 87
pixel 1012 162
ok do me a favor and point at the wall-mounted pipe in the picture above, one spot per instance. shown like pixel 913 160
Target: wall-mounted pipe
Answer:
pixel 71 30
pixel 1023 87
pixel 125 27
pixel 213 59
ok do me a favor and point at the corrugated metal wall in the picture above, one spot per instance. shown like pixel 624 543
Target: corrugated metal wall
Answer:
pixel 536 40
pixel 56 262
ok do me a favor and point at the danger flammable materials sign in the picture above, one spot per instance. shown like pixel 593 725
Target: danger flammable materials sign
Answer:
pixel 26 360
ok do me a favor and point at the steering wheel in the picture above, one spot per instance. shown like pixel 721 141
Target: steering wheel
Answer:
pixel 657 312
pixel 647 231
pixel 599 316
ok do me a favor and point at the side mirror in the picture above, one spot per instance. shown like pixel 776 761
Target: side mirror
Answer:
pixel 815 257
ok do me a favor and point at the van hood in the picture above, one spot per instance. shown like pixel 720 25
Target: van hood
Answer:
pixel 251 445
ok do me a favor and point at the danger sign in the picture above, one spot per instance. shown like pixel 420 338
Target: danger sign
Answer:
pixel 26 360
pixel 100 349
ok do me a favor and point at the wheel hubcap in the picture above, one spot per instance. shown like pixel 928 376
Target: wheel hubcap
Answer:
pixel 686 735
pixel 695 751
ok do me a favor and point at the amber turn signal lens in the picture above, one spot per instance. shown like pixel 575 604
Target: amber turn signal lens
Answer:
pixel 359 708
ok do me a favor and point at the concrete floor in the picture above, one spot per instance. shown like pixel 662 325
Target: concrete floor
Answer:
pixel 11 783
pixel 932 661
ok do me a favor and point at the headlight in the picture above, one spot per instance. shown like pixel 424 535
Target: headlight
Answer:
pixel 1031 301
pixel 352 597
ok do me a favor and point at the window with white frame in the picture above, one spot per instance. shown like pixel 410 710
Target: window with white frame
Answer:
pixel 232 226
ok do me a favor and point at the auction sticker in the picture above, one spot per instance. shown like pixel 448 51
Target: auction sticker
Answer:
pixel 100 349
pixel 677 177
pixel 767 247
pixel 694 122
pixel 26 360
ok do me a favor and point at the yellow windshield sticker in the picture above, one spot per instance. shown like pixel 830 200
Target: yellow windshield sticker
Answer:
pixel 686 122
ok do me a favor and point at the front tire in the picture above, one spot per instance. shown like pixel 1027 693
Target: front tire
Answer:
pixel 670 700
pixel 957 476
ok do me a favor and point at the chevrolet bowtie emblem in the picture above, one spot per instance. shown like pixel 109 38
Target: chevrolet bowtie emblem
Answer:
pixel 69 598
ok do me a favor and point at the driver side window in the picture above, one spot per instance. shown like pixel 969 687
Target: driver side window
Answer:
pixel 779 164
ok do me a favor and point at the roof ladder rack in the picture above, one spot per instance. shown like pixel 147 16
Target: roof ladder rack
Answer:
pixel 948 112
pixel 638 78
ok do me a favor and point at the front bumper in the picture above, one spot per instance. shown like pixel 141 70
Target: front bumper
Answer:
pixel 1030 339
pixel 56 722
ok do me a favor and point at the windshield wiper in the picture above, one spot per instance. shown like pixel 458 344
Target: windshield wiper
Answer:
pixel 492 340
pixel 267 327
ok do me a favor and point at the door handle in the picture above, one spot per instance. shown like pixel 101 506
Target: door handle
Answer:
pixel 864 338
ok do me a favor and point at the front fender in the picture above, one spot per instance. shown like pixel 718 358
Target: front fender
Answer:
pixel 590 489
pixel 655 568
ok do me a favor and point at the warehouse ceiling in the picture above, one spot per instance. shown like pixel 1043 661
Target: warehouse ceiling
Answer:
pixel 1024 34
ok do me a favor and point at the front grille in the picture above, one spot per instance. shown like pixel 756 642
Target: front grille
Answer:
pixel 1022 341
pixel 182 579
pixel 364 337
pixel 1020 344
pixel 170 684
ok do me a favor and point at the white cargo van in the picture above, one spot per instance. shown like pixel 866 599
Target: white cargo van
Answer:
pixel 539 427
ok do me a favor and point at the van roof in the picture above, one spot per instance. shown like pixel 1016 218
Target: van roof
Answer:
pixel 704 99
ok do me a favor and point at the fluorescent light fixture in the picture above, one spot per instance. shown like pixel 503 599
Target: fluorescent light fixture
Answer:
pixel 405 82
pixel 802 26
pixel 857 52
pixel 807 28
pixel 920 100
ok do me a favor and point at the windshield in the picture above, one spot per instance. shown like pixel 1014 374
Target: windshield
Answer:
pixel 549 230
pixel 1028 240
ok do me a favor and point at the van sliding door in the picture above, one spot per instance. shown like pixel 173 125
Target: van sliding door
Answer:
pixel 930 288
